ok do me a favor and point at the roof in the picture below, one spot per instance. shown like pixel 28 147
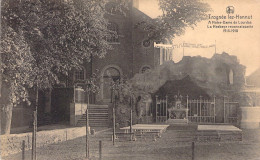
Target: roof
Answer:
pixel 254 78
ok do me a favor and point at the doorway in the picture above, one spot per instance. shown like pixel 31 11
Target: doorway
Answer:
pixel 110 75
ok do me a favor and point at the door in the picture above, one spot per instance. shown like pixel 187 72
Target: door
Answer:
pixel 110 76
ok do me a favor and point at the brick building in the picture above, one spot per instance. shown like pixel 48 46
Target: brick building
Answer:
pixel 132 53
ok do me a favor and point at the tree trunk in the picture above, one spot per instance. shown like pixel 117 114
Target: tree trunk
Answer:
pixel 6 119
pixel 6 108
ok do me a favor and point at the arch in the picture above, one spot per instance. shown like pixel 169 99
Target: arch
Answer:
pixel 145 68
pixel 109 74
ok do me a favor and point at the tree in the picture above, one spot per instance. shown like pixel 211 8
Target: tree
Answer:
pixel 44 39
pixel 177 15
pixel 55 37
pixel 15 69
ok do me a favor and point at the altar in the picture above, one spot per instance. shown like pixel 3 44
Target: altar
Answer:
pixel 178 113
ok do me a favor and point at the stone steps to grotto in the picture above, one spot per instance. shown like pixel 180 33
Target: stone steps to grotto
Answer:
pixel 97 116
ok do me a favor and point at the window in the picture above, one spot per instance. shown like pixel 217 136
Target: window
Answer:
pixel 146 43
pixel 145 69
pixel 113 36
pixel 112 73
pixel 113 8
pixel 79 75
pixel 231 77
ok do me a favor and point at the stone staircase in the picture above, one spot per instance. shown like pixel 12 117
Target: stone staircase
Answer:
pixel 176 121
pixel 98 116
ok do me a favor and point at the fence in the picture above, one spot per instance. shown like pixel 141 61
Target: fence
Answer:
pixel 161 109
pixel 230 111
pixel 201 110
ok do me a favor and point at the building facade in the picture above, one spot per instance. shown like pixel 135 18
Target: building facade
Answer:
pixel 131 53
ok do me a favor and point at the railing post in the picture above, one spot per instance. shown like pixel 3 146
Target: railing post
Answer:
pixel 200 108
pixel 114 126
pixel 187 115
pixel 131 115
pixel 87 141
pixel 34 135
pixel 166 107
pixel 100 150
pixel 224 109
pixel 214 109
pixel 156 101
pixel 88 93
pixel 197 110
pixel 23 149
pixel 162 110
pixel 192 150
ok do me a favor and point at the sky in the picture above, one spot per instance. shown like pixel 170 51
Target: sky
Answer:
pixel 245 43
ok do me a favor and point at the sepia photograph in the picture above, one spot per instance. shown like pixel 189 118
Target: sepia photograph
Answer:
pixel 130 80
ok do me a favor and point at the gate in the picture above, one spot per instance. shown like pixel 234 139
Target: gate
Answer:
pixel 230 111
pixel 201 110
pixel 161 110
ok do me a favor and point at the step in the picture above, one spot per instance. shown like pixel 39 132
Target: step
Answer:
pixel 93 123
pixel 103 121
pixel 98 124
pixel 90 116
pixel 97 106
pixel 90 108
pixel 93 120
pixel 91 112
pixel 95 117
pixel 97 111
pixel 102 114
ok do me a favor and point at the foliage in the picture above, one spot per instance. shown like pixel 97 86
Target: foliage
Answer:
pixel 61 35
pixel 90 84
pixel 44 39
pixel 16 63
pixel 177 15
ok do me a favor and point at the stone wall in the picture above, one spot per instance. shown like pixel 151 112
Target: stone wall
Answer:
pixel 12 143
pixel 222 75
pixel 76 112
pixel 214 75
pixel 250 117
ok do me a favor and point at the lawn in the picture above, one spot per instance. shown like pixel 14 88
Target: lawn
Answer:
pixel 175 143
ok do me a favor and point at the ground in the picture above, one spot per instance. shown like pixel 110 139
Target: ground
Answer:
pixel 175 143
